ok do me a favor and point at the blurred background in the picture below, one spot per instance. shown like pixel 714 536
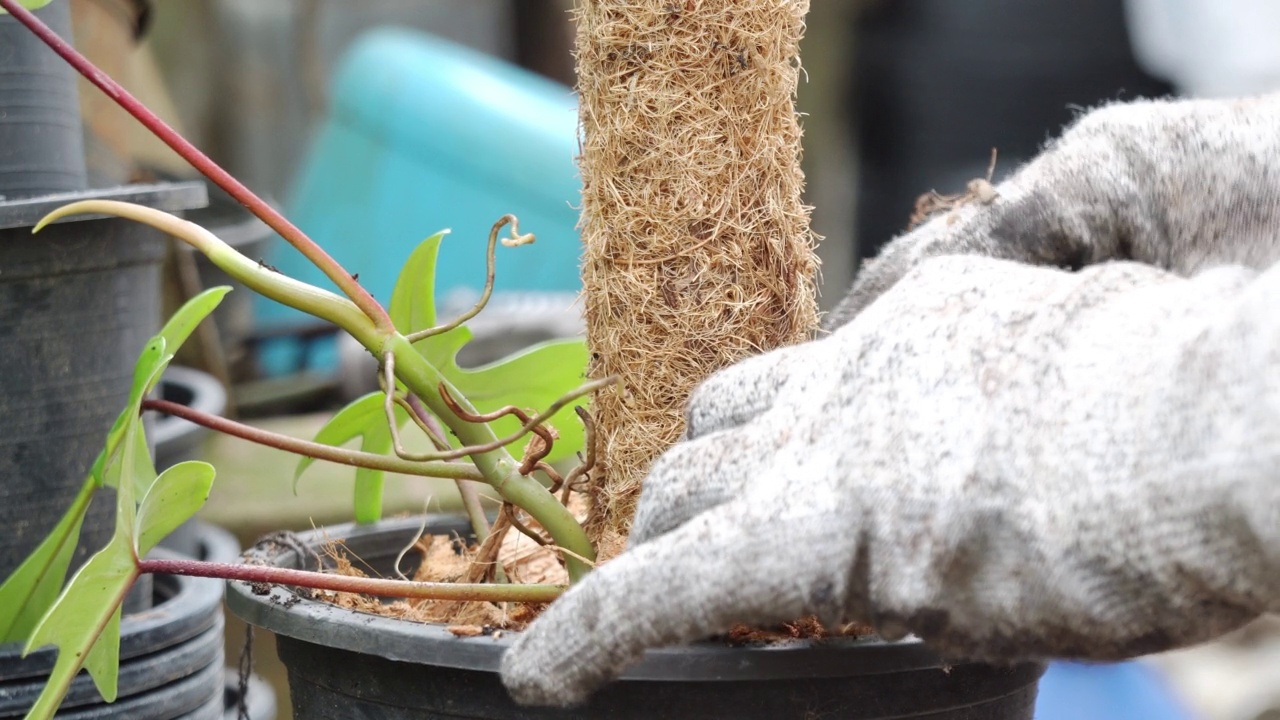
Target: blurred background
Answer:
pixel 374 124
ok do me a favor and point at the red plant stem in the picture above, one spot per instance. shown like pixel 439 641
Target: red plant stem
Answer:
pixel 206 166
pixel 344 456
pixel 381 587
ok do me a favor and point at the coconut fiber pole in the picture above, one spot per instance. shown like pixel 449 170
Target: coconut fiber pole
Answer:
pixel 697 251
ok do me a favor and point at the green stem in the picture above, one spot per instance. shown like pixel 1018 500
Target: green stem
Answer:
pixel 256 276
pixel 497 466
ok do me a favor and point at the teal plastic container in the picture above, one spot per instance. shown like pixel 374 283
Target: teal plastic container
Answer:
pixel 422 135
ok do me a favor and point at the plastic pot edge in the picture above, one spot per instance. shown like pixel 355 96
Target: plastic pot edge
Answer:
pixel 284 613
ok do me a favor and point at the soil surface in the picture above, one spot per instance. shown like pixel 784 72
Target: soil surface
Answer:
pixel 443 558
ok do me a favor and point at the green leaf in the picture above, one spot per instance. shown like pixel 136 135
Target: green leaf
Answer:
pixel 155 357
pixel 146 373
pixel 98 472
pixel 367 494
pixel 348 423
pixel 142 471
pixel 413 300
pixel 84 619
pixel 171 500
pixel 366 419
pixel 534 378
pixel 103 661
pixel 159 350
pixel 413 306
pixel 531 379
pixel 28 593
pixel 184 321
pixel 151 364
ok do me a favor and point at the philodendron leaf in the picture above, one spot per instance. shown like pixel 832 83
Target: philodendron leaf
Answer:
pixel 531 379
pixel 87 614
pixel 98 471
pixel 160 349
pixel 534 379
pixel 184 321
pixel 84 622
pixel 171 500
pixel 413 300
pixel 366 419
pixel 142 471
pixel 147 372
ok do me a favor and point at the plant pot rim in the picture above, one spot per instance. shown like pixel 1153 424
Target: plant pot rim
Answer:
pixel 284 613
pixel 167 196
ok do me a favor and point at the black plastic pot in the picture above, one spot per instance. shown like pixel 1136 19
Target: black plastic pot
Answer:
pixel 41 147
pixel 77 302
pixel 171 662
pixel 345 664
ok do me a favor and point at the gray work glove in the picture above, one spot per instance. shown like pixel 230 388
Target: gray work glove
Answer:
pixel 1010 462
pixel 1181 185
pixel 1007 461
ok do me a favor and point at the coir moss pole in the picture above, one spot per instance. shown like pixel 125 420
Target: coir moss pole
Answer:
pixel 697 251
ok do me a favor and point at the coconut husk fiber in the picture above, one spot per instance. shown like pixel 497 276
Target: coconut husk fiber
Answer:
pixel 698 251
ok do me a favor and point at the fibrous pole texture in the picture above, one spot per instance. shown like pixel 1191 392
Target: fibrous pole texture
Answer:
pixel 697 248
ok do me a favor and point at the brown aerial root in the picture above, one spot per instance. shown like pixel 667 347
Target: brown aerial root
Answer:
pixel 515 240
pixel 534 452
pixel 579 478
pixel 537 449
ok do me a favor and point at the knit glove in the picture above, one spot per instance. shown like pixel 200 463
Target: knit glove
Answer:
pixel 1008 461
pixel 1181 185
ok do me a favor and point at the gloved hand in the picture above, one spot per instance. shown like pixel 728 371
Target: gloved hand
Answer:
pixel 1008 461
pixel 1181 185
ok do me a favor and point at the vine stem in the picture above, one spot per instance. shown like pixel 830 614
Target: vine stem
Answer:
pixel 381 587
pixel 207 167
pixel 344 456
pixel 499 468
